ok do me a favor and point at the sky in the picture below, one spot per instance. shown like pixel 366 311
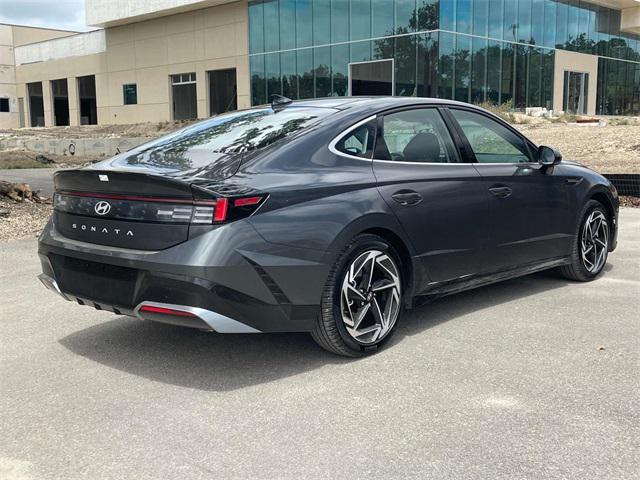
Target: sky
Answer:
pixel 63 14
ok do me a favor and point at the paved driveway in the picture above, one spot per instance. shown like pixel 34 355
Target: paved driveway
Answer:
pixel 37 178
pixel 504 382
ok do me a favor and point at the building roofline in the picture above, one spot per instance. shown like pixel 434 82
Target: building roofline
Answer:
pixel 114 13
pixel 40 28
pixel 60 38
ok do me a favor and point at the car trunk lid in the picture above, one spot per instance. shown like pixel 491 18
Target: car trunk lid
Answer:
pixel 132 210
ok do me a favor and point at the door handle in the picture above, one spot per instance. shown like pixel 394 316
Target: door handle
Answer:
pixel 407 197
pixel 501 192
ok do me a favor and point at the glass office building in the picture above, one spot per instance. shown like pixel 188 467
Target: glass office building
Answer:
pixel 568 55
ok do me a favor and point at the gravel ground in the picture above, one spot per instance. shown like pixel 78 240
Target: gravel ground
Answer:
pixel 25 219
pixel 630 202
pixel 610 149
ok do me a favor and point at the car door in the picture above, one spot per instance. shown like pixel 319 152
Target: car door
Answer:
pixel 439 201
pixel 528 203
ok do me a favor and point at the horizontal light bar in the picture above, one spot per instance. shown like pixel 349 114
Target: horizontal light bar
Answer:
pixel 137 198
pixel 157 209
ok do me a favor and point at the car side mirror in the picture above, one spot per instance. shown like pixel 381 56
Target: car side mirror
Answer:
pixel 548 156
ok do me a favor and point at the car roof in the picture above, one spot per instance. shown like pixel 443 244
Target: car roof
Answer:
pixel 345 103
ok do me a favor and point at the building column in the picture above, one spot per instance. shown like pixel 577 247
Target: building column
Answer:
pixel 73 99
pixel 202 91
pixel 243 79
pixel 21 91
pixel 102 97
pixel 47 103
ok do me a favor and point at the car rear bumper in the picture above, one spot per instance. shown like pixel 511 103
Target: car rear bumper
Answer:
pixel 180 315
pixel 228 281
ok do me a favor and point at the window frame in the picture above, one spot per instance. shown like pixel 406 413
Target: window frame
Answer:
pixel 370 151
pixel 469 154
pixel 8 110
pixel 124 94
pixel 453 134
pixel 345 133
pixel 459 139
pixel 379 118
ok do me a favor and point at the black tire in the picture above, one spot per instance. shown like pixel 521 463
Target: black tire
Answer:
pixel 576 269
pixel 330 331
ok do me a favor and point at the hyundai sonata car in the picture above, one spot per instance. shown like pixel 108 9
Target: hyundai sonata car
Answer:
pixel 327 216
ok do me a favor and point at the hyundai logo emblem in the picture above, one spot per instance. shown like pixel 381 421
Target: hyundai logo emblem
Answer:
pixel 102 207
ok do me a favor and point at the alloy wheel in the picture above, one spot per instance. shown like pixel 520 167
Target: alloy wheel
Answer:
pixel 594 242
pixel 370 297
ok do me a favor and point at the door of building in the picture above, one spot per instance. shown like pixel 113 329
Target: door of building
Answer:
pixel 576 92
pixel 60 93
pixel 36 104
pixel 371 78
pixel 87 100
pixel 183 93
pixel 223 92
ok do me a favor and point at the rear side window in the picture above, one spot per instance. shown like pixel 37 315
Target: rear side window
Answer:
pixel 417 135
pixel 359 142
pixel 490 141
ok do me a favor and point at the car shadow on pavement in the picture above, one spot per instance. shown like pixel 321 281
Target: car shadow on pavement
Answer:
pixel 460 304
pixel 213 362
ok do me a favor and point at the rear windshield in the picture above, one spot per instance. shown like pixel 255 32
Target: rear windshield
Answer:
pixel 200 144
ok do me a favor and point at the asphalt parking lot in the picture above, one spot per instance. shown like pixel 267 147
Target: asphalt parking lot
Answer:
pixel 532 378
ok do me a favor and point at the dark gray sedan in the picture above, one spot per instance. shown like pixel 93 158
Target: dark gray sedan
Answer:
pixel 325 216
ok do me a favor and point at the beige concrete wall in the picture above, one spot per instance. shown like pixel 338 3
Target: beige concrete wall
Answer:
pixel 147 53
pixel 12 36
pixel 68 68
pixel 630 21
pixel 25 35
pixel 8 78
pixel 81 44
pixel 575 62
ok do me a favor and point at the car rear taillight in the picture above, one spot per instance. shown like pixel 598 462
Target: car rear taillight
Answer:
pixel 228 209
pixel 157 209
pixel 222 207
pixel 246 202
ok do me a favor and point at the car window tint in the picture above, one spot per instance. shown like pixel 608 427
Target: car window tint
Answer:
pixel 358 142
pixel 203 143
pixel 490 141
pixel 417 135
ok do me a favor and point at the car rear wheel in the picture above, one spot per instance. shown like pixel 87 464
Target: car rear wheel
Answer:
pixel 361 302
pixel 590 245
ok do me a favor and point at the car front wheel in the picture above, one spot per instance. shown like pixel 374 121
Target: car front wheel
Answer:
pixel 590 244
pixel 361 301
